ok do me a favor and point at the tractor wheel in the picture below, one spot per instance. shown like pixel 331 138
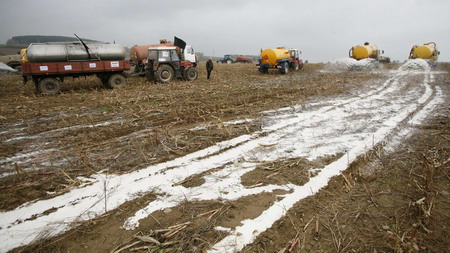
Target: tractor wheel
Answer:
pixel 191 74
pixel 229 61
pixel 116 81
pixel 150 74
pixel 164 74
pixel 285 68
pixel 49 86
pixel 294 66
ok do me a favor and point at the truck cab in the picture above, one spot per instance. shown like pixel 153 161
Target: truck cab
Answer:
pixel 164 64
pixel 189 54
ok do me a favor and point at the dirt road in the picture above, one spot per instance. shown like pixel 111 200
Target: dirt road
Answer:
pixel 226 163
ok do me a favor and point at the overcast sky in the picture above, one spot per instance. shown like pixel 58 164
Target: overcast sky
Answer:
pixel 323 30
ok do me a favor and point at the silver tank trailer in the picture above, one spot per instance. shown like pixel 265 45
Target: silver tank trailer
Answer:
pixel 63 52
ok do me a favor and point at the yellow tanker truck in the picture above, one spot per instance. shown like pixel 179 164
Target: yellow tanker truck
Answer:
pixel 428 51
pixel 367 51
pixel 281 58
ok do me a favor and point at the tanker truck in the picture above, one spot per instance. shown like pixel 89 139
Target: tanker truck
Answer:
pixel 139 54
pixel 367 51
pixel 428 51
pixel 47 64
pixel 281 58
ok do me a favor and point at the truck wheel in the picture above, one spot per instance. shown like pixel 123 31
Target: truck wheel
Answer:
pixel 164 74
pixel 116 81
pixel 190 74
pixel 150 74
pixel 229 61
pixel 49 86
pixel 285 68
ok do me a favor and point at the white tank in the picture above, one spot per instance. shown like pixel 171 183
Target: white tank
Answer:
pixel 63 52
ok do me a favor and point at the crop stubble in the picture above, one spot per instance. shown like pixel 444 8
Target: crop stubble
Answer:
pixel 162 115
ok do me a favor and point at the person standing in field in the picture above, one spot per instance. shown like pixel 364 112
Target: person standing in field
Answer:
pixel 209 67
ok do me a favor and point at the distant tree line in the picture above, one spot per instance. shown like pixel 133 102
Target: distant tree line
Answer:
pixel 27 39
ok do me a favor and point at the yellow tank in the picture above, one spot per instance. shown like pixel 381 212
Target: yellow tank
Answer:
pixel 427 51
pixel 23 55
pixel 270 56
pixel 363 52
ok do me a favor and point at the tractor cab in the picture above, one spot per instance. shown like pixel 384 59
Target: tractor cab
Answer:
pixel 226 59
pixel 164 64
pixel 163 54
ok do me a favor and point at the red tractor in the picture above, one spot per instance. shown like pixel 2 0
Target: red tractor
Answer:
pixel 164 65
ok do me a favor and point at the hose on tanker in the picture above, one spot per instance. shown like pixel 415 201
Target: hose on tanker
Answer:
pixel 87 48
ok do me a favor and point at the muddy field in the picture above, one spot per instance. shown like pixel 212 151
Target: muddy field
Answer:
pixel 204 165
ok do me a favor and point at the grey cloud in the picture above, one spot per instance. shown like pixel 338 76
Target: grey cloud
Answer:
pixel 323 30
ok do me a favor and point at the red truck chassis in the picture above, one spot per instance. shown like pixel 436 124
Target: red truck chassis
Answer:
pixel 49 76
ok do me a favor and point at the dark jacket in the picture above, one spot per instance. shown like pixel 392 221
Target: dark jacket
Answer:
pixel 209 65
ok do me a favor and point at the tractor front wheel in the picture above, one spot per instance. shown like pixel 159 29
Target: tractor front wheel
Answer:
pixel 191 74
pixel 150 74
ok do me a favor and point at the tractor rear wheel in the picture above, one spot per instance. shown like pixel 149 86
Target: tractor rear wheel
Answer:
pixel 191 74
pixel 164 74
pixel 229 61
pixel 49 86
